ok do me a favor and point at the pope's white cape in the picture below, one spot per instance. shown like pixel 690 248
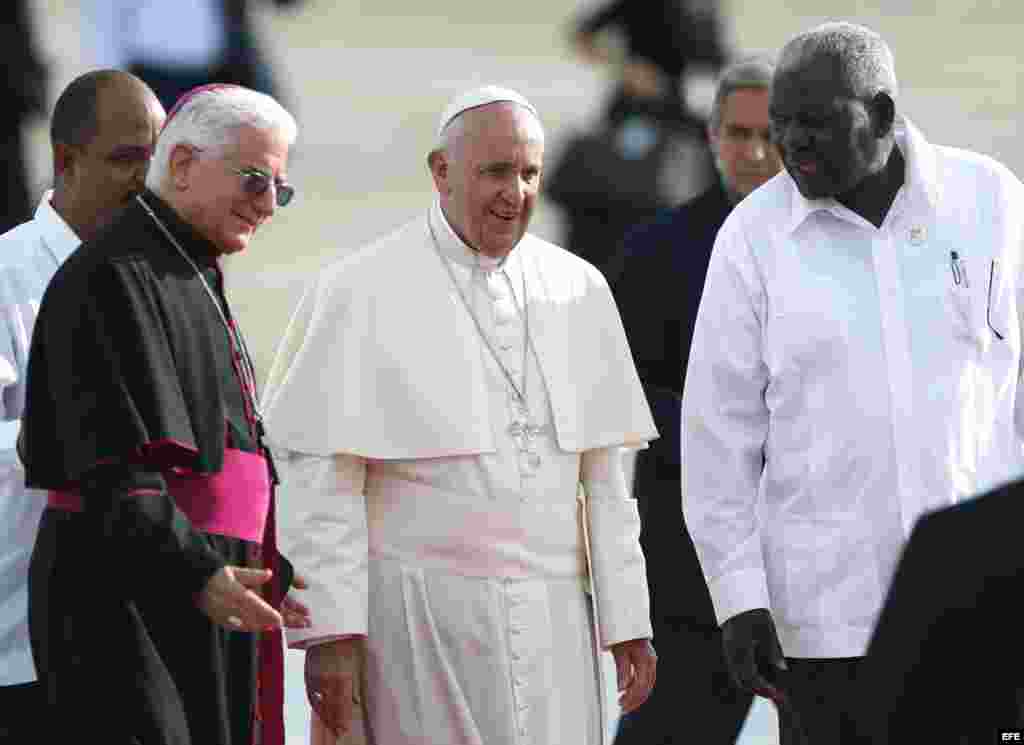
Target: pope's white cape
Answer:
pixel 382 343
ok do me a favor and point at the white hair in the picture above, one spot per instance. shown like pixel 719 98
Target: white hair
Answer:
pixel 209 119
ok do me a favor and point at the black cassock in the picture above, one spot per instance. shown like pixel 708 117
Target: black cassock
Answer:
pixel 137 396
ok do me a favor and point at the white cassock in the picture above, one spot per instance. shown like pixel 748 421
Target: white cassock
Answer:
pixel 424 517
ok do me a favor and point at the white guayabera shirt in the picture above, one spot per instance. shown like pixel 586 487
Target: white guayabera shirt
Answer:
pixel 29 256
pixel 843 379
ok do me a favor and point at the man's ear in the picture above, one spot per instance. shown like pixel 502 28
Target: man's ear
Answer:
pixel 439 168
pixel 883 109
pixel 63 158
pixel 181 158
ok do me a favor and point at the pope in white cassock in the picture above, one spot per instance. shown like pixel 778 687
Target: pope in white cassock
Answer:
pixel 438 399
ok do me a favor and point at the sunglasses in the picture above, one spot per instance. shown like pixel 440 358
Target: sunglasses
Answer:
pixel 256 183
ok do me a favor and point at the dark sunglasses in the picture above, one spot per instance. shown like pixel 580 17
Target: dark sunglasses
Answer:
pixel 256 183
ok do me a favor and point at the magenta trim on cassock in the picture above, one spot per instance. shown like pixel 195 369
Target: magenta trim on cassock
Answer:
pixel 232 502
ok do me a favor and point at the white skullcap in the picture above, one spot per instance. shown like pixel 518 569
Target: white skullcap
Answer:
pixel 481 97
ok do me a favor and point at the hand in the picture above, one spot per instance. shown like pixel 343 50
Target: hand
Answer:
pixel 753 654
pixel 295 614
pixel 635 667
pixel 334 675
pixel 228 600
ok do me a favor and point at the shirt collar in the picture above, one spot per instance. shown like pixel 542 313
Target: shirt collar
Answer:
pixel 453 248
pixel 921 184
pixel 57 234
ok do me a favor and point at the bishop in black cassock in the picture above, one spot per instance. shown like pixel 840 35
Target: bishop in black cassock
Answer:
pixel 141 424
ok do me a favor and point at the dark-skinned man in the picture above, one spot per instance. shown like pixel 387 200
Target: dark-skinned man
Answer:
pixel 855 363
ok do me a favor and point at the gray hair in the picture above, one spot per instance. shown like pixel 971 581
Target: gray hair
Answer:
pixel 749 74
pixel 209 119
pixel 866 61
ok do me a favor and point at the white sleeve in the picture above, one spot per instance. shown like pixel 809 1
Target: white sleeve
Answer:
pixel 322 525
pixel 725 427
pixel 619 574
pixel 12 359
pixel 8 377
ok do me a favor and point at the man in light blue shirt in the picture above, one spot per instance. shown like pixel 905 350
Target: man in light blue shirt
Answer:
pixel 104 127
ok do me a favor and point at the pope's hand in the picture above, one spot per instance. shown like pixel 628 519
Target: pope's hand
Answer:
pixel 334 672
pixel 635 665
pixel 229 600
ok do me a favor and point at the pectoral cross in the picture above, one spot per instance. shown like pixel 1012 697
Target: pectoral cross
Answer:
pixel 523 433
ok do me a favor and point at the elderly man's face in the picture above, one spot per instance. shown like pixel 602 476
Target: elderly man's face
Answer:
pixel 488 184
pixel 101 176
pixel 825 135
pixel 742 143
pixel 216 202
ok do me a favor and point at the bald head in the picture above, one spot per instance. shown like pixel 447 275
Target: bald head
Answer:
pixel 859 57
pixel 75 116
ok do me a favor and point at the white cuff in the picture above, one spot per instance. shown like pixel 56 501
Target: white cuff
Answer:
pixel 740 591
pixel 309 643
pixel 342 612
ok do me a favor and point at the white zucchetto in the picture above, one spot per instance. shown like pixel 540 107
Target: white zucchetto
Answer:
pixel 487 94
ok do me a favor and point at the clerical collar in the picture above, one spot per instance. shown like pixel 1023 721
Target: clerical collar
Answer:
pixel 455 249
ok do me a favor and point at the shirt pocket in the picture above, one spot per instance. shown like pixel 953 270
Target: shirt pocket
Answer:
pixel 975 302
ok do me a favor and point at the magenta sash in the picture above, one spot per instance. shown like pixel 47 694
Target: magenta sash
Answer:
pixel 234 501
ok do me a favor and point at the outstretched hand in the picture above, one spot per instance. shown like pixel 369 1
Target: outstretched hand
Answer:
pixel 230 600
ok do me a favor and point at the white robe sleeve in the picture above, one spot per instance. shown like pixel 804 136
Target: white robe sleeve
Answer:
pixel 13 349
pixel 619 574
pixel 322 526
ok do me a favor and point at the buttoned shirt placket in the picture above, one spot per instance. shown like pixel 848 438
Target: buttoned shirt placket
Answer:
pixel 888 254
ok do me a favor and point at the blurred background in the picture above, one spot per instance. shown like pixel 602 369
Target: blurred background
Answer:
pixel 368 79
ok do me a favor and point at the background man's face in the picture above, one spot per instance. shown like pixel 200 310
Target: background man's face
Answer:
pixel 490 181
pixel 109 170
pixel 216 204
pixel 742 144
pixel 825 135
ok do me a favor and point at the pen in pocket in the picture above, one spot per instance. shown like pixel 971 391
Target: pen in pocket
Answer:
pixel 959 271
pixel 988 309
